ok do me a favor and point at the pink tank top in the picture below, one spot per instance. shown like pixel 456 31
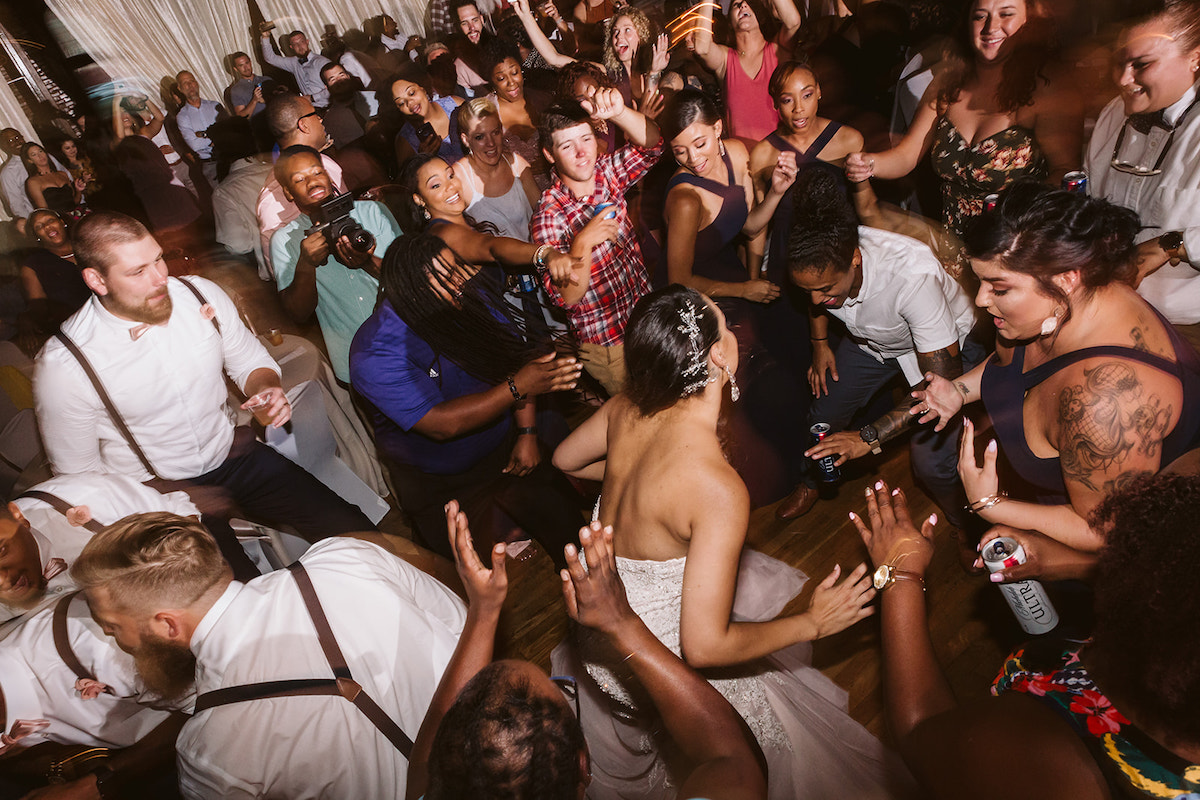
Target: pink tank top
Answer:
pixel 752 115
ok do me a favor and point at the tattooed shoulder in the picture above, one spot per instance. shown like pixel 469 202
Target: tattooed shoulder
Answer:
pixel 1106 419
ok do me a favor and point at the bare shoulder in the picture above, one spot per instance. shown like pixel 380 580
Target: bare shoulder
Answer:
pixel 846 141
pixel 682 200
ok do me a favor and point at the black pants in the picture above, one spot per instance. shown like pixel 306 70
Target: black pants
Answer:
pixel 543 503
pixel 258 483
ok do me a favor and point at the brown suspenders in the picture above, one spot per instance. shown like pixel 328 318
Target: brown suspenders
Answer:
pixel 61 506
pixel 62 641
pixel 342 684
pixel 113 413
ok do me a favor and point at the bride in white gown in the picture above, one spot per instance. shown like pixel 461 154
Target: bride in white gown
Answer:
pixel 680 512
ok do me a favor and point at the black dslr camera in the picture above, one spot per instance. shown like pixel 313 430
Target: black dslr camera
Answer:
pixel 333 220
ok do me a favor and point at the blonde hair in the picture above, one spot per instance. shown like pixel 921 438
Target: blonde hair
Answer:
pixel 152 561
pixel 474 110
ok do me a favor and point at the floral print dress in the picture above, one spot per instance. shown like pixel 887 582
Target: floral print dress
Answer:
pixel 969 173
pixel 1134 765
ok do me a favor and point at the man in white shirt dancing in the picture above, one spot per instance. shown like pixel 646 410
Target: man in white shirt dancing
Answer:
pixel 154 405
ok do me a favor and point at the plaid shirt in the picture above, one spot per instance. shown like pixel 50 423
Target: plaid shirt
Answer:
pixel 441 25
pixel 618 276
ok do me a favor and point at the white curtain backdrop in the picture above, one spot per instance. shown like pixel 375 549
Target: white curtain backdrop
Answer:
pixel 140 42
pixel 311 16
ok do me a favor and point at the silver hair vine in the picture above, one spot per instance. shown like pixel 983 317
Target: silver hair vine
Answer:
pixel 696 371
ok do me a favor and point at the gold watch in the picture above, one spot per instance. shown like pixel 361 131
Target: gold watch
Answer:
pixel 887 574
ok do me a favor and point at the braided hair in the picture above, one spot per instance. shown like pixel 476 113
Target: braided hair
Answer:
pixel 458 309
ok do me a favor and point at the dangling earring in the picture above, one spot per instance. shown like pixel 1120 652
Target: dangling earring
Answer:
pixel 734 392
pixel 721 145
pixel 1050 324
pixel 425 211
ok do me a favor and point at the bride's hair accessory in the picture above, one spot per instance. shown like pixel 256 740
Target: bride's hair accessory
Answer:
pixel 696 370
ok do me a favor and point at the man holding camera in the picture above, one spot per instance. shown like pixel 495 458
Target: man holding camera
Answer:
pixel 327 260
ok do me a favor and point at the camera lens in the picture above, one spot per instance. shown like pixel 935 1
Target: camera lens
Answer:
pixel 361 240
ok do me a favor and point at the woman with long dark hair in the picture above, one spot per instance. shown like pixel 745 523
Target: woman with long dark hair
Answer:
pixel 994 120
pixel 518 106
pixel 451 372
pixel 430 126
pixel 51 188
pixel 679 512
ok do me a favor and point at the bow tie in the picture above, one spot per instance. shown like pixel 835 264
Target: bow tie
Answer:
pixel 56 566
pixel 1144 123
pixel 137 331
pixel 302 59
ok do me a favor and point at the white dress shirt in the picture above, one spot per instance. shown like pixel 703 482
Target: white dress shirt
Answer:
pixel 193 120
pixel 397 628
pixel 307 74
pixel 38 685
pixel 108 498
pixel 167 385
pixel 234 201
pixel 907 303
pixel 1169 201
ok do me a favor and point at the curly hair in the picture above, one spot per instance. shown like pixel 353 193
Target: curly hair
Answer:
pixel 571 73
pixel 658 350
pixel 824 226
pixel 1147 606
pixel 501 741
pixel 647 32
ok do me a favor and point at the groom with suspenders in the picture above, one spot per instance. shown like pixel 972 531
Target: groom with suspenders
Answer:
pixel 278 661
pixel 133 384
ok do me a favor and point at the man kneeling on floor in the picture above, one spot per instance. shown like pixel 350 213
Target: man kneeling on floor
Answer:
pixel 278 660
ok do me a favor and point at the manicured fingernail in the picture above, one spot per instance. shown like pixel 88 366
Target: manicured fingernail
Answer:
pixel 446 507
pixel 566 576
pixel 570 549
pixel 852 516
pixel 895 491
pixel 992 446
pixel 867 491
pixel 933 519
pixel 879 486
pixel 996 577
pixel 584 535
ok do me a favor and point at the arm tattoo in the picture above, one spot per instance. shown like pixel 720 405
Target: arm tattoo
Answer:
pixel 1105 419
pixel 894 422
pixel 962 389
pixel 1139 339
pixel 1123 480
pixel 941 362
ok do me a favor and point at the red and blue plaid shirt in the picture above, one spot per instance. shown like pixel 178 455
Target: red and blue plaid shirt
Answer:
pixel 618 275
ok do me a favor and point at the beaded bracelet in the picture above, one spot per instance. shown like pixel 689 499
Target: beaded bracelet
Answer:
pixel 512 387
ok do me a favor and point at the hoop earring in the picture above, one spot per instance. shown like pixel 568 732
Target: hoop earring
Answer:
pixel 734 392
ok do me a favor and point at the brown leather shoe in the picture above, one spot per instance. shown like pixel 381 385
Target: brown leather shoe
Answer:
pixel 798 503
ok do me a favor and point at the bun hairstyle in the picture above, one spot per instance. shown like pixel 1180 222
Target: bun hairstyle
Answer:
pixel 686 107
pixel 824 226
pixel 1043 232
pixel 659 350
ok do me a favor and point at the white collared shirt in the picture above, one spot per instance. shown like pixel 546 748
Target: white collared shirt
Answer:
pixel 167 385
pixel 907 303
pixel 38 684
pixel 108 498
pixel 397 628
pixel 1169 201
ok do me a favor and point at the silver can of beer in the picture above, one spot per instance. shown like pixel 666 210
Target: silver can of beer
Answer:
pixel 1027 599
pixel 1076 182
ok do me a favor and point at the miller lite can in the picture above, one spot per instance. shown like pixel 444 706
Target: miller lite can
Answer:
pixel 1075 182
pixel 1027 599
pixel 830 472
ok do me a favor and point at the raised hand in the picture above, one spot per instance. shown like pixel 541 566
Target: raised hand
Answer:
pixel 784 174
pixel 486 588
pixel 547 374
pixel 978 482
pixel 859 167
pixel 595 596
pixel 940 400
pixel 604 104
pixel 889 532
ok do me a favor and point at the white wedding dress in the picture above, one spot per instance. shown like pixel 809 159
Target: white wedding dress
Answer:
pixel 814 750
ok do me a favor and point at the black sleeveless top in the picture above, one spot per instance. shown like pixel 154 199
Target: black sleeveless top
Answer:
pixel 1004 387
pixel 715 256
pixel 781 222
